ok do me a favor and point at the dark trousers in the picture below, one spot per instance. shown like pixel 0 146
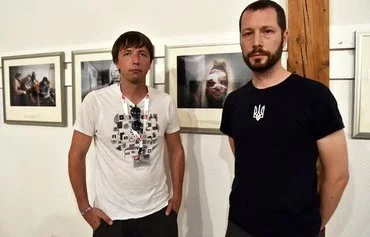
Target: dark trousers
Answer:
pixel 235 231
pixel 156 224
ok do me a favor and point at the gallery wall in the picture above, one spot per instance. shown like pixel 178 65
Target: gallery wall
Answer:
pixel 36 198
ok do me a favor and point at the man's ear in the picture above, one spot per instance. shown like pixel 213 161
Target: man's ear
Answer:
pixel 285 38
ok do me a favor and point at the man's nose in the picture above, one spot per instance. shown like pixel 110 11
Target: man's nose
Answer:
pixel 135 58
pixel 257 40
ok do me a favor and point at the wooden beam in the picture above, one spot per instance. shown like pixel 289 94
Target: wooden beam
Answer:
pixel 308 41
pixel 308 45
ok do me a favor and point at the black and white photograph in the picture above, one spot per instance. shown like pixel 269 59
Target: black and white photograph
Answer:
pixel 96 75
pixel 32 85
pixel 204 81
pixel 34 92
pixel 93 70
pixel 199 78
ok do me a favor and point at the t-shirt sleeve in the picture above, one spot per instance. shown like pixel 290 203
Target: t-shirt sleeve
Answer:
pixel 326 115
pixel 226 116
pixel 174 124
pixel 87 115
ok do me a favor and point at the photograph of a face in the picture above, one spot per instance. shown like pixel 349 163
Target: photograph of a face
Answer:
pixel 32 85
pixel 199 78
pixel 204 81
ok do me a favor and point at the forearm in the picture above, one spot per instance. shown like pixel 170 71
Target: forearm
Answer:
pixel 232 145
pixel 177 164
pixel 331 191
pixel 77 176
pixel 19 91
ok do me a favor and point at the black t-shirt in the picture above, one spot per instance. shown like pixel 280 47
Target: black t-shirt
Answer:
pixel 275 130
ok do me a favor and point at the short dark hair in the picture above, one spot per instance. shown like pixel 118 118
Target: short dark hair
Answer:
pixel 264 4
pixel 132 39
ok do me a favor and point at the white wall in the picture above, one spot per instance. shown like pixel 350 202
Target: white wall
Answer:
pixel 36 198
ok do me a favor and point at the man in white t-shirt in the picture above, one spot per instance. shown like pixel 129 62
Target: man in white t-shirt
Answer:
pixel 129 123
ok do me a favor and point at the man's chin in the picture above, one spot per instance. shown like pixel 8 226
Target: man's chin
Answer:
pixel 259 67
pixel 137 80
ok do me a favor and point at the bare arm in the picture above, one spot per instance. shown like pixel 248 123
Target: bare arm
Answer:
pixel 334 159
pixel 77 167
pixel 17 87
pixel 232 146
pixel 177 166
pixel 77 175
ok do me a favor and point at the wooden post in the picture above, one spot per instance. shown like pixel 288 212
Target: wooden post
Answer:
pixel 308 44
pixel 308 41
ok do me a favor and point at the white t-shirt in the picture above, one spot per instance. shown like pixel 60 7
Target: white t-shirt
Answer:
pixel 128 188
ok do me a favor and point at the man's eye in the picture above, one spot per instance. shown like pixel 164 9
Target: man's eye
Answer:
pixel 268 31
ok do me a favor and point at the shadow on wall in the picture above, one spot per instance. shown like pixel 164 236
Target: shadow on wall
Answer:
pixel 3 230
pixel 195 219
pixel 227 156
pixel 62 226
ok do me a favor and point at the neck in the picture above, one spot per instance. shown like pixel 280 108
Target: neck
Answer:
pixel 271 77
pixel 134 92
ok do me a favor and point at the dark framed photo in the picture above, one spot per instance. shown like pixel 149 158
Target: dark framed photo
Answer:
pixel 199 77
pixel 93 70
pixel 361 112
pixel 34 92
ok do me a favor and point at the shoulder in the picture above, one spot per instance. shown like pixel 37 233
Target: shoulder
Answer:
pixel 308 87
pixel 106 92
pixel 159 95
pixel 240 92
pixel 306 82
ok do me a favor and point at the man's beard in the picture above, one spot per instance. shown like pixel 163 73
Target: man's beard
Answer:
pixel 272 59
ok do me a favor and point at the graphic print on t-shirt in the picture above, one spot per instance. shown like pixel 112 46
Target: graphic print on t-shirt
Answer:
pixel 125 140
pixel 258 112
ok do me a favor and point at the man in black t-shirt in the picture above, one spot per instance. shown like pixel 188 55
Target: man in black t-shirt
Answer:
pixel 278 125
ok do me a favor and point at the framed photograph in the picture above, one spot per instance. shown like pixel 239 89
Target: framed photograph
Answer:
pixel 361 111
pixel 93 70
pixel 34 92
pixel 199 77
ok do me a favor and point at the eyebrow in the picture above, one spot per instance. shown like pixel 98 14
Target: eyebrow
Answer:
pixel 132 49
pixel 262 27
pixel 143 50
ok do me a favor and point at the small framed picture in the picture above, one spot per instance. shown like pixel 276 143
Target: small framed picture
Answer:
pixel 34 92
pixel 361 112
pixel 93 70
pixel 199 77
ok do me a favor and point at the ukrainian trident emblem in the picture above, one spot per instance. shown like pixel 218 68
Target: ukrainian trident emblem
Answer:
pixel 258 112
